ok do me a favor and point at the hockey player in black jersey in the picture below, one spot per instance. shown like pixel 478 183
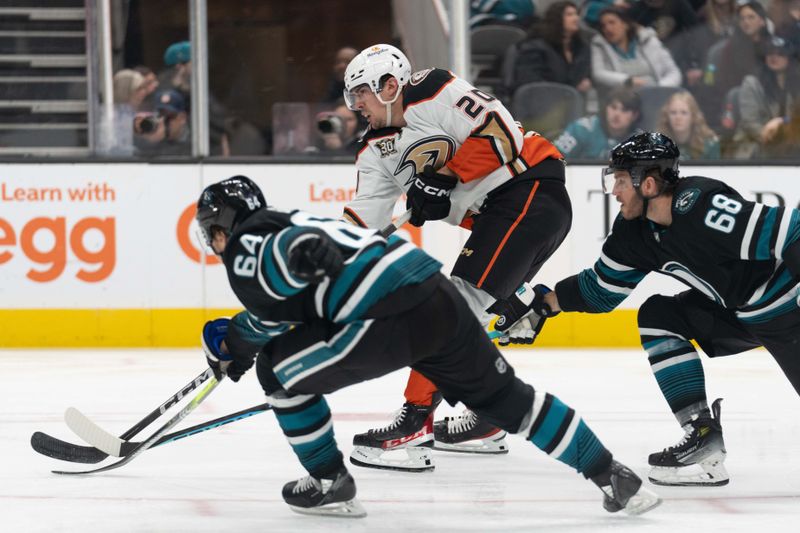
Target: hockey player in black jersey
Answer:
pixel 328 305
pixel 742 262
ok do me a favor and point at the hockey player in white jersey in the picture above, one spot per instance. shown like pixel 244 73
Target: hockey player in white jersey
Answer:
pixel 459 156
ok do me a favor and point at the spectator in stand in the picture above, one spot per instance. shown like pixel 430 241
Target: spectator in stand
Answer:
pixel 744 51
pixel 786 142
pixel 683 122
pixel 623 54
pixel 670 18
pixel 339 131
pixel 129 91
pixel 717 22
pixel 592 137
pixel 178 77
pixel 167 132
pixel 719 16
pixel 151 85
pixel 514 12
pixel 767 99
pixel 335 88
pixel 591 10
pixel 786 16
pixel 557 51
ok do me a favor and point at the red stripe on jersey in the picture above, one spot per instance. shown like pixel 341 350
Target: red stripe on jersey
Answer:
pixel 508 233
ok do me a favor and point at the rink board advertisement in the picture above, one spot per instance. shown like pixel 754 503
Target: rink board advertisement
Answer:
pixel 106 254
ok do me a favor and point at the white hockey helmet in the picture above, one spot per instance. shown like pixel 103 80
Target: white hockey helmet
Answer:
pixel 372 64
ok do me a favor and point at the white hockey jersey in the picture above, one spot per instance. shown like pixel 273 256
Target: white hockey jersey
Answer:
pixel 449 122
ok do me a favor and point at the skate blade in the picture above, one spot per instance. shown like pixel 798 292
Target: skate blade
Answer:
pixel 644 500
pixel 708 473
pixel 495 445
pixel 417 459
pixel 349 509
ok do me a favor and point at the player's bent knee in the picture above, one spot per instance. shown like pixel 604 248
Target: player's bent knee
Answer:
pixel 653 310
pixel 508 408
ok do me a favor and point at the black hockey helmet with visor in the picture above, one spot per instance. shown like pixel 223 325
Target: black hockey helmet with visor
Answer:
pixel 223 206
pixel 639 154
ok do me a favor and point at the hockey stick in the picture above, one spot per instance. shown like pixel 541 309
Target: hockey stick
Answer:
pixel 158 411
pixel 396 224
pixel 75 453
pixel 137 450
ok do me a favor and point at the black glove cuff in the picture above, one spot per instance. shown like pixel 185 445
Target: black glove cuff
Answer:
pixel 239 349
pixel 569 295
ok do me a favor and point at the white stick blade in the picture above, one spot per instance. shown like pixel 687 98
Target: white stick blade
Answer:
pixel 92 433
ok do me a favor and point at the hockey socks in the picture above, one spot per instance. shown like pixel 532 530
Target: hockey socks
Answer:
pixel 678 371
pixel 558 431
pixel 306 421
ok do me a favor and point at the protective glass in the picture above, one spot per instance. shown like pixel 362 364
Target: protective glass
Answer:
pixel 607 180
pixel 204 240
pixel 352 97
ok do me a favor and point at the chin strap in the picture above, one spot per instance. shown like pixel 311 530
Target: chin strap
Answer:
pixel 389 105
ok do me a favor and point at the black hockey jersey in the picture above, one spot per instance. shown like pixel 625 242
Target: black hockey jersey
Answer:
pixel 256 260
pixel 728 248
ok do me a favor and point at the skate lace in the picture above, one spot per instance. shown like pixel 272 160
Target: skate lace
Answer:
pixel 304 484
pixel 399 416
pixel 461 423
pixel 686 436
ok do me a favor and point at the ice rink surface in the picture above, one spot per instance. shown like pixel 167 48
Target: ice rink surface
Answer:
pixel 229 478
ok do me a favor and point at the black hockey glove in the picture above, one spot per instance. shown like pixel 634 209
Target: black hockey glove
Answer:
pixel 429 196
pixel 522 316
pixel 314 255
pixel 220 361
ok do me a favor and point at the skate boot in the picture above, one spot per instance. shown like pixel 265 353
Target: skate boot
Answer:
pixel 411 431
pixel 698 459
pixel 326 497
pixel 467 433
pixel 623 491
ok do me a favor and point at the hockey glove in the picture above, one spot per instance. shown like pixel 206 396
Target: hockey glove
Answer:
pixel 218 358
pixel 314 255
pixel 522 316
pixel 429 196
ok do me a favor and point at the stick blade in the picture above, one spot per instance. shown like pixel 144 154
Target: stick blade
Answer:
pixel 65 451
pixel 92 433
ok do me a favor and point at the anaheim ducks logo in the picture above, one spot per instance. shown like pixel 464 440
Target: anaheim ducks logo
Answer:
pixel 434 151
pixel 419 76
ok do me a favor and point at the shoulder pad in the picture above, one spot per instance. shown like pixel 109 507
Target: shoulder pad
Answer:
pixel 425 84
pixel 691 190
pixel 264 222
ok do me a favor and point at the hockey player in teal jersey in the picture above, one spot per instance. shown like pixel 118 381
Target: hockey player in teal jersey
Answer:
pixel 742 262
pixel 329 305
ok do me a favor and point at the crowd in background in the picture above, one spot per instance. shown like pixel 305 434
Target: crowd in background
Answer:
pixel 727 69
pixel 724 74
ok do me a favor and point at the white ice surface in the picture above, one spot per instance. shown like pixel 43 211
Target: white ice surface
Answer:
pixel 229 479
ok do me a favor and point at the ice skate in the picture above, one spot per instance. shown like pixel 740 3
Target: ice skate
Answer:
pixel 326 497
pixel 698 459
pixel 405 444
pixel 467 433
pixel 623 491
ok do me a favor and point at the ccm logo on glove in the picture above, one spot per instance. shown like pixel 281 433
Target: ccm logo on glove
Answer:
pixel 429 196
